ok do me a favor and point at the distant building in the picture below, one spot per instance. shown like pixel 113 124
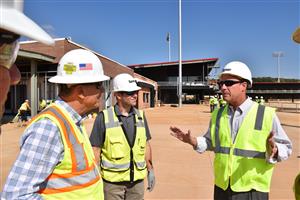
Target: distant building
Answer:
pixel 275 90
pixel 195 80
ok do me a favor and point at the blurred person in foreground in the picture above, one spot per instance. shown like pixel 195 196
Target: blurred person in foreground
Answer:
pixel 13 24
pixel 121 143
pixel 247 139
pixel 296 38
pixel 56 160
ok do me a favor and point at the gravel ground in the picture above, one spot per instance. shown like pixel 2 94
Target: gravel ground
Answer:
pixel 181 173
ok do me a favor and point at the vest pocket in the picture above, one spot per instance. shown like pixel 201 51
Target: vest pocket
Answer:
pixel 140 165
pixel 117 147
pixel 141 146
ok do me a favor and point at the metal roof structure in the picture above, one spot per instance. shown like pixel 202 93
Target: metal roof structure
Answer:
pixel 158 64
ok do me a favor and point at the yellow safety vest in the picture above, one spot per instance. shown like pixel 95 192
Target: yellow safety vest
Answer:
pixel 242 164
pixel 119 161
pixel 24 106
pixel 76 176
pixel 262 101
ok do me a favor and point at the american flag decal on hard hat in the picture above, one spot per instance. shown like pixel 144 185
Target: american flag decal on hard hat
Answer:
pixel 86 66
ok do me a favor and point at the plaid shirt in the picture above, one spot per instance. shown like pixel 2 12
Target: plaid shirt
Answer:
pixel 41 150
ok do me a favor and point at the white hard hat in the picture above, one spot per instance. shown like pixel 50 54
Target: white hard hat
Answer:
pixel 79 66
pixel 13 20
pixel 237 68
pixel 125 83
pixel 261 97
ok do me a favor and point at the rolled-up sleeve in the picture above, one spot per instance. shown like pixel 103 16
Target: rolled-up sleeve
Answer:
pixel 282 141
pixel 204 142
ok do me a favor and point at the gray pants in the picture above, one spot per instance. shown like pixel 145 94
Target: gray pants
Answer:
pixel 220 194
pixel 126 191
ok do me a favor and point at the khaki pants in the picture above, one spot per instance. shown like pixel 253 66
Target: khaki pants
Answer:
pixel 126 191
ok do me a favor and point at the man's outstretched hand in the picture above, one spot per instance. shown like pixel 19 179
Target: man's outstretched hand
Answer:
pixel 184 137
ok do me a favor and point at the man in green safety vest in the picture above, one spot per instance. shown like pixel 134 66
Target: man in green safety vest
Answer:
pixel 121 144
pixel 247 139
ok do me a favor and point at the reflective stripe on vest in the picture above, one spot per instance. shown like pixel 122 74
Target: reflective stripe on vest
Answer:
pixel 78 175
pixel 139 123
pixel 76 147
pixel 106 164
pixel 112 123
pixel 236 151
pixel 80 179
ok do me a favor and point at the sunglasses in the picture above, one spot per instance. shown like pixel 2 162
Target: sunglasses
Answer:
pixel 9 47
pixel 129 93
pixel 228 83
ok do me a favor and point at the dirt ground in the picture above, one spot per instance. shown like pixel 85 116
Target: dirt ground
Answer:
pixel 181 173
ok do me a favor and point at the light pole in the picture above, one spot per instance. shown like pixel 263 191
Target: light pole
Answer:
pixel 180 61
pixel 278 54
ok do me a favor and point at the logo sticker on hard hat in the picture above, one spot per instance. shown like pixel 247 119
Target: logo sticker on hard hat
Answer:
pixel 86 66
pixel 69 68
pixel 132 81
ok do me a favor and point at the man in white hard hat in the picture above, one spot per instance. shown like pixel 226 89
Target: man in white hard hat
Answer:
pixel 247 139
pixel 13 24
pixel 120 140
pixel 56 160
pixel 261 101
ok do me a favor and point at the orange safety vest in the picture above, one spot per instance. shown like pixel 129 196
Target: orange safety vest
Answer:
pixel 76 176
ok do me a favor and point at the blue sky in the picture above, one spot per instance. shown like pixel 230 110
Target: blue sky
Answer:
pixel 134 32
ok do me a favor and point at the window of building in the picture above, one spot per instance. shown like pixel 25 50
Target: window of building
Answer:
pixel 146 97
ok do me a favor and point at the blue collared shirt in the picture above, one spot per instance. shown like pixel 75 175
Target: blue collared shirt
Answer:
pixel 41 149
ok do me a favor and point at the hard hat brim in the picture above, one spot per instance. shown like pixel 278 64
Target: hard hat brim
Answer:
pixel 71 80
pixel 16 22
pixel 233 74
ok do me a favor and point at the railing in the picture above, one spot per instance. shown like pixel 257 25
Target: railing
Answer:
pixel 284 106
pixel 184 83
pixel 273 91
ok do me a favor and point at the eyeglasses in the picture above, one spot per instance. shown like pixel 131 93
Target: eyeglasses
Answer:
pixel 228 83
pixel 129 93
pixel 9 47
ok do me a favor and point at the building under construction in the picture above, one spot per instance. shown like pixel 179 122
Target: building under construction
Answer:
pixel 195 79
